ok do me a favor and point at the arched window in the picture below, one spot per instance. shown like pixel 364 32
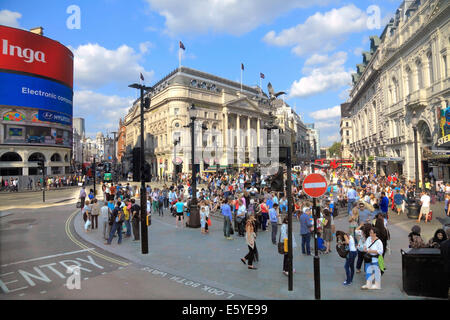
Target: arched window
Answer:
pixel 55 157
pixel 37 156
pixel 11 156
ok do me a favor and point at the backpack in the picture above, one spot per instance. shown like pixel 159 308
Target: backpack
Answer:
pixel 342 250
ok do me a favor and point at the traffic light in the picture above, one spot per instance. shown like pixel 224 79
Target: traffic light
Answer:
pixel 146 103
pixel 277 181
pixel 41 165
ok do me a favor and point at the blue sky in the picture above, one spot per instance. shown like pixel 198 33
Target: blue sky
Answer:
pixel 307 48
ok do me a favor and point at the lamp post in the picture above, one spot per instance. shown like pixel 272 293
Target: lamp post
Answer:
pixel 194 217
pixel 144 103
pixel 414 122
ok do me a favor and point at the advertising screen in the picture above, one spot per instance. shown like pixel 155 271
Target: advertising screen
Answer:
pixel 17 90
pixel 30 53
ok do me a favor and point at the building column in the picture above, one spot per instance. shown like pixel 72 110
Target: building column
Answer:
pixel 258 132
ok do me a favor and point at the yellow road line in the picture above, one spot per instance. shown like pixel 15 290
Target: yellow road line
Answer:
pixel 81 245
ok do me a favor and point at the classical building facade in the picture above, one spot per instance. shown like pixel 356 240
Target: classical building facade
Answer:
pixel 314 140
pixel 403 81
pixel 221 107
pixel 346 131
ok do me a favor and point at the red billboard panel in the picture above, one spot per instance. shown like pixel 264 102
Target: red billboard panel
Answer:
pixel 28 52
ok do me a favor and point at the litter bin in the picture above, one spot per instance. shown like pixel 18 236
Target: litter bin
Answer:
pixel 413 210
pixel 424 273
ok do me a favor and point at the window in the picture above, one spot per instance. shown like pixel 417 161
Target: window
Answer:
pixel 347 133
pixel 346 124
pixel 348 141
pixel 410 88
pixel 176 110
pixel 419 75
pixel 430 68
pixel 444 60
pixel 206 114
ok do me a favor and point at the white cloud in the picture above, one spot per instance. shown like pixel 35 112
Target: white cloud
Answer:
pixel 144 47
pixel 322 73
pixel 103 110
pixel 334 138
pixel 10 18
pixel 321 31
pixel 323 114
pixel 96 66
pixel 229 16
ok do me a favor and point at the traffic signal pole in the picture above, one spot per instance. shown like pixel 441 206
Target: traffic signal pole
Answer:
pixel 316 213
pixel 290 209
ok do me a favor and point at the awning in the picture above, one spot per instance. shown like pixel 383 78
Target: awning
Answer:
pixel 393 159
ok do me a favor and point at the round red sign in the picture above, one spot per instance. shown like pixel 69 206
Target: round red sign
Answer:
pixel 315 185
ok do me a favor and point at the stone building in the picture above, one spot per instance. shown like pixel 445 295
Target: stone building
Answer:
pixel 221 107
pixel 402 80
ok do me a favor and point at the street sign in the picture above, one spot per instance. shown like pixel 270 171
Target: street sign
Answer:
pixel 315 185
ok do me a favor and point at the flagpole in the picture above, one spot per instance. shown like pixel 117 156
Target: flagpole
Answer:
pixel 260 83
pixel 179 58
pixel 241 78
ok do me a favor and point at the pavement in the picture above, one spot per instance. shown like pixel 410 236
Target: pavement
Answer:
pixel 214 261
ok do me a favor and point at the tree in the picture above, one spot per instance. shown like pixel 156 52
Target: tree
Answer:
pixel 335 150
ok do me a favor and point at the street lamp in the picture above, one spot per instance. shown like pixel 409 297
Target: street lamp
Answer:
pixel 144 103
pixel 414 122
pixel 194 218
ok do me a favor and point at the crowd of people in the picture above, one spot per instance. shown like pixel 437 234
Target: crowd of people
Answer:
pixel 248 206
pixel 36 183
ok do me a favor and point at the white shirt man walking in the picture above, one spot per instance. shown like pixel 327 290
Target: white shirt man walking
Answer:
pixel 425 209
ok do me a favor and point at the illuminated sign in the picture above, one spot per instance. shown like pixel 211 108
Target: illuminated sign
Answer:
pixel 443 140
pixel 26 91
pixel 31 53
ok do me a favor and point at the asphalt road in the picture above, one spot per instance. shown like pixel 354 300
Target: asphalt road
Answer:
pixel 38 247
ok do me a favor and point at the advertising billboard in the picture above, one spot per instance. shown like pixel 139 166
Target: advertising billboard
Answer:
pixel 30 53
pixel 36 89
pixel 19 90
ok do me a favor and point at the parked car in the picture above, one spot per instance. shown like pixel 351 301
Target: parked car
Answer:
pixel 38 139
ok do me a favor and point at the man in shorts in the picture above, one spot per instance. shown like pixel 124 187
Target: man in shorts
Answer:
pixel 179 206
pixel 425 208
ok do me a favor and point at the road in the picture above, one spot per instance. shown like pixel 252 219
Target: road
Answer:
pixel 38 247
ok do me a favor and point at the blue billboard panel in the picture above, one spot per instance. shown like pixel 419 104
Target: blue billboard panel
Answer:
pixel 56 117
pixel 18 90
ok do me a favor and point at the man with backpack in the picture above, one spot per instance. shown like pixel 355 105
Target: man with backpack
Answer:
pixel 118 217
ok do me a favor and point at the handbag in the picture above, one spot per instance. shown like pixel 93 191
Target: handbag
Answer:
pixel 79 204
pixel 209 222
pixel 280 245
pixel 367 256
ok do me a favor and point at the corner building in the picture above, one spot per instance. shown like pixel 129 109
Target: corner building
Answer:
pixel 404 79
pixel 36 91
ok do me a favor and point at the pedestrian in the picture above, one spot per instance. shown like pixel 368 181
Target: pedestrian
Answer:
pixel 95 213
pixel 251 244
pixel 264 215
pixel 382 232
pixel 273 216
pixel 349 266
pixel 227 215
pixel 105 220
pixel 415 239
pixel 305 230
pixel 240 217
pixel 374 248
pixel 384 204
pixel 447 206
pixel 284 240
pixel 399 198
pixel 136 219
pixel 362 233
pixel 439 237
pixel 425 208
pixel 82 197
pixel 203 217
pixel 327 232
pixel 351 198
pixel 179 205
pixel 126 211
pixel 118 217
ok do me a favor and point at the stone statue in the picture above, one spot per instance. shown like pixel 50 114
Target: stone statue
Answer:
pixel 272 94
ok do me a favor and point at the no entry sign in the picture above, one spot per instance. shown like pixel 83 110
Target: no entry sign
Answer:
pixel 315 185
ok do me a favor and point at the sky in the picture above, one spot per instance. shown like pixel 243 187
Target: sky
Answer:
pixel 309 49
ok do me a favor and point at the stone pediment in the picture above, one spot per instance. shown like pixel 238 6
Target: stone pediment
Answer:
pixel 244 104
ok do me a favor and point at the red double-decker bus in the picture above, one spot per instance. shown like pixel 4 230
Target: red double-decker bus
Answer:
pixel 334 163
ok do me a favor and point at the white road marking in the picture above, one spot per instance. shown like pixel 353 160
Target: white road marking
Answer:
pixel 46 257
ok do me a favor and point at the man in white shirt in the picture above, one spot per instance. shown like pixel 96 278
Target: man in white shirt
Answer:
pixel 425 209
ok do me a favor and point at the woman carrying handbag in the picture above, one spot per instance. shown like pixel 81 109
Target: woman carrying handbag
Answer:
pixel 373 248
